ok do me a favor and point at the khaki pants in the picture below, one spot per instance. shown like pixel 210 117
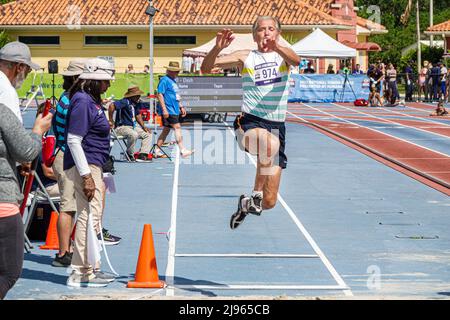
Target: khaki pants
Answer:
pixel 79 259
pixel 132 135
pixel 66 187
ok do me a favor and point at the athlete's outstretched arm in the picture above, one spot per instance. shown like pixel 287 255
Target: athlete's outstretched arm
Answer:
pixel 235 59
pixel 288 54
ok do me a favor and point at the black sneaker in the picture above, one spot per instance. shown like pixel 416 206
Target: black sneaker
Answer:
pixel 238 217
pixel 63 261
pixel 255 205
pixel 110 240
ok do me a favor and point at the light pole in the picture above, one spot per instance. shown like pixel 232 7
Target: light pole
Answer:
pixel 151 11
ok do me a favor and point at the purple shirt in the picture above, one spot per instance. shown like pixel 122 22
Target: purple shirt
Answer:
pixel 88 120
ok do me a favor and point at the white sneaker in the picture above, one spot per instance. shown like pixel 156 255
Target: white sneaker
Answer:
pixel 86 281
pixel 186 153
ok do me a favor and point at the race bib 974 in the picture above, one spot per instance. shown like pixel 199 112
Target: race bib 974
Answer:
pixel 266 74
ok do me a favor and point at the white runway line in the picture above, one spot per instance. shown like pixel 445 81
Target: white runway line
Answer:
pixel 393 122
pixel 359 126
pixel 427 120
pixel 244 255
pixel 260 287
pixel 308 237
pixel 170 269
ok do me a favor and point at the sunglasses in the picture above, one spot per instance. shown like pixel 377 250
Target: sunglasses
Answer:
pixel 112 72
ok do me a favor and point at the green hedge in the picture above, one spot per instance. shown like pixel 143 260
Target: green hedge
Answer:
pixel 118 86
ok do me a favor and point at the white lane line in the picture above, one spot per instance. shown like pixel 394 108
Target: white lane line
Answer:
pixel 427 120
pixel 259 287
pixel 308 237
pixel 394 122
pixel 383 133
pixel 245 255
pixel 170 269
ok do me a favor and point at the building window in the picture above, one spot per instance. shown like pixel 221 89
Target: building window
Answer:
pixel 40 40
pixel 105 40
pixel 175 40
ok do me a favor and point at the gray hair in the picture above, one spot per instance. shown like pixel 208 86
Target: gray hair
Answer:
pixel 261 18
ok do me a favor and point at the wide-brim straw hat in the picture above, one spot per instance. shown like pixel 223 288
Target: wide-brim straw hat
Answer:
pixel 173 66
pixel 133 92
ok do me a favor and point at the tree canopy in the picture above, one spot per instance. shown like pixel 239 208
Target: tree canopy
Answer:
pixel 400 36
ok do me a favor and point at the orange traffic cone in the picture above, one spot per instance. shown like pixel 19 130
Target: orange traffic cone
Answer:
pixel 146 270
pixel 52 241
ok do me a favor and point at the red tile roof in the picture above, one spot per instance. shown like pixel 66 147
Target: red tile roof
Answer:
pixel 172 12
pixel 442 27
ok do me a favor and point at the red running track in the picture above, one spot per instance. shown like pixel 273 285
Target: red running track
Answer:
pixel 393 152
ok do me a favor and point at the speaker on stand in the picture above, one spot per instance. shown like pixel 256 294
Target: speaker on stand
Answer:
pixel 53 69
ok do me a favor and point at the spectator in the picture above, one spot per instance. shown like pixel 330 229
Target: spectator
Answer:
pixel 146 69
pixel 309 69
pixel 440 110
pixel 409 87
pixel 66 217
pixel 88 141
pixel 170 107
pixel 129 123
pixel 429 95
pixel 391 75
pixel 130 69
pixel 379 77
pixel 448 85
pixel 436 76
pixel 358 70
pixel 374 95
pixel 330 69
pixel 383 82
pixel 16 145
pixel 15 65
pixel 444 72
pixel 422 81
pixel 303 65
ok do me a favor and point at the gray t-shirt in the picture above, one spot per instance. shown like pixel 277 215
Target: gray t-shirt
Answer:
pixel 16 145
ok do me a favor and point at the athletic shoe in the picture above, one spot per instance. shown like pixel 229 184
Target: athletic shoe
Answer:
pixel 255 204
pixel 63 261
pixel 143 157
pixel 186 153
pixel 86 281
pixel 238 217
pixel 110 240
pixel 101 275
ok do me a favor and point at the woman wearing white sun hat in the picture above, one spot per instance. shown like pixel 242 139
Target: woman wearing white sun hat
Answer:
pixel 88 141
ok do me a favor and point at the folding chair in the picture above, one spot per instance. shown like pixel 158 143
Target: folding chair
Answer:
pixel 40 196
pixel 121 141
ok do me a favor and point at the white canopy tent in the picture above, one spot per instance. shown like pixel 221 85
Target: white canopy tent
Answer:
pixel 242 41
pixel 318 44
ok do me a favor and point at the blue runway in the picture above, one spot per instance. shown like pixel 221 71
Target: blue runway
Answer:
pixel 382 233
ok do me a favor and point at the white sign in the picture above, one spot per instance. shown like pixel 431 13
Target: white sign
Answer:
pixel 109 59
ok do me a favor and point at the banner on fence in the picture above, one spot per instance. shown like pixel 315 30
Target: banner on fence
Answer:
pixel 328 88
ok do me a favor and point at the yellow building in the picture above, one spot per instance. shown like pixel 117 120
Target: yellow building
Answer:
pixel 119 29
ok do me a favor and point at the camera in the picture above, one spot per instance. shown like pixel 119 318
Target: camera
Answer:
pixel 53 66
